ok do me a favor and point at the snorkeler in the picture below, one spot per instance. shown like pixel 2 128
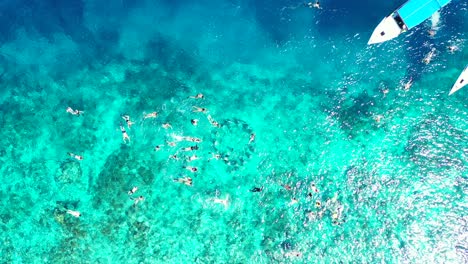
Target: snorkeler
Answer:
pixel 78 157
pixel 252 138
pixel 150 115
pixel 186 180
pixel 133 190
pixel 256 189
pixel 452 48
pixel 74 213
pixel 166 126
pixel 198 96
pixel 124 134
pixel 137 200
pixel 190 148
pixel 408 84
pixel 213 122
pixel 224 201
pixel 293 201
pixel 197 109
pixel 190 168
pixel 314 188
pixel 427 59
pixel 313 5
pixel 74 112
pixel 192 139
pixel 192 158
pixel 127 120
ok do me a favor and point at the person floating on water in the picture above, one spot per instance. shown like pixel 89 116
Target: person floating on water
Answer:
pixel 133 190
pixel 198 96
pixel 314 5
pixel 74 112
pixel 427 59
pixel 252 138
pixel 190 148
pixel 78 157
pixel 137 200
pixel 127 120
pixel 125 136
pixel 166 126
pixel 256 189
pixel 408 84
pixel 74 213
pixel 213 122
pixel 224 201
pixel 452 48
pixel 150 115
pixel 186 180
pixel 192 158
pixel 190 168
pixel 197 109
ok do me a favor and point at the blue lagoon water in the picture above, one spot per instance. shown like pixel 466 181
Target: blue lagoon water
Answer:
pixel 352 167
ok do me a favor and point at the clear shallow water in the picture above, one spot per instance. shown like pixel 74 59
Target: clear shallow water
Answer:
pixel 302 80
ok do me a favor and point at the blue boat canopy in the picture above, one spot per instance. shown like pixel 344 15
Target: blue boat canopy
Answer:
pixel 415 12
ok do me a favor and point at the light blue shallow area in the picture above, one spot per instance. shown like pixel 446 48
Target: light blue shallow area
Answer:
pixel 414 12
pixel 332 119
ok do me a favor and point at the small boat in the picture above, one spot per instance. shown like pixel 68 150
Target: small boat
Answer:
pixel 461 81
pixel 409 15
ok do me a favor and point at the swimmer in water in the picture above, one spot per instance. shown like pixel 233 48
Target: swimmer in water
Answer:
pixel 198 96
pixel 127 120
pixel 452 48
pixel 137 200
pixel 318 204
pixel 78 157
pixel 293 201
pixel 186 180
pixel 74 112
pixel 213 122
pixel 150 115
pixel 314 5
pixel 133 190
pixel 192 158
pixel 197 109
pixel 293 254
pixel 190 168
pixel 174 157
pixel 429 56
pixel 215 156
pixel 314 188
pixel 190 148
pixel 157 148
pixel 256 189
pixel 224 201
pixel 166 126
pixel 287 187
pixel 74 213
pixel 194 122
pixel 408 84
pixel 171 143
pixel 124 134
pixel 252 138
pixel 193 139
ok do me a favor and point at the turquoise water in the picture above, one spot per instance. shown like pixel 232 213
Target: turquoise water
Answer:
pixel 389 166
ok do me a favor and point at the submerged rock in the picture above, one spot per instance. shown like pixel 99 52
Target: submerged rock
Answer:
pixel 70 171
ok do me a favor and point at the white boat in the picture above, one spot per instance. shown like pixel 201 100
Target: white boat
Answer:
pixel 461 81
pixel 409 15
